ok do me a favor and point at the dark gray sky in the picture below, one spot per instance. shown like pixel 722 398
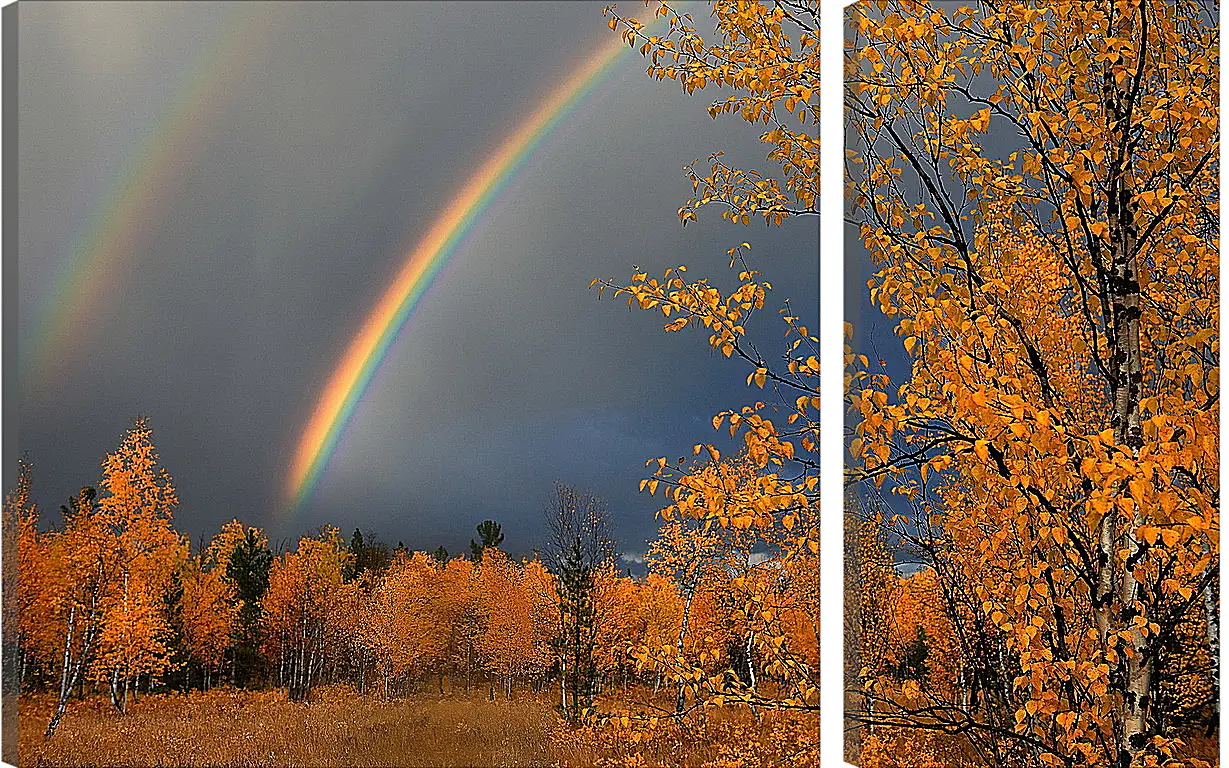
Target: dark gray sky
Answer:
pixel 298 152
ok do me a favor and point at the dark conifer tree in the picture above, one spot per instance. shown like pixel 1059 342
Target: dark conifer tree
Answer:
pixel 490 535
pixel 249 568
pixel 580 544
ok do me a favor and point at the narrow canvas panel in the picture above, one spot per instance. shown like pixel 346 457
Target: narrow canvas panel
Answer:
pixel 411 384
pixel 1032 431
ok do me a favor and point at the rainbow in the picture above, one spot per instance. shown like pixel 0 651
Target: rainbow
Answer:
pixel 366 352
pixel 116 226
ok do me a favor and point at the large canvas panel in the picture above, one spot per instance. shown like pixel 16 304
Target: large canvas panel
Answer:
pixel 329 436
pixel 1032 515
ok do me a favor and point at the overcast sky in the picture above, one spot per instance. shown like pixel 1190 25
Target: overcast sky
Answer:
pixel 296 153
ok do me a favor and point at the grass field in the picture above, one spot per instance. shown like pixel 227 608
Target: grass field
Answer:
pixel 229 728
pixel 339 728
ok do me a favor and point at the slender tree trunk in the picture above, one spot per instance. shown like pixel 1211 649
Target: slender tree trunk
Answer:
pixel 1116 594
pixel 469 663
pixel 1212 616
pixel 66 681
pixel 750 661
pixel 1126 361
pixel 119 698
pixel 313 661
pixel 300 676
pixel 691 592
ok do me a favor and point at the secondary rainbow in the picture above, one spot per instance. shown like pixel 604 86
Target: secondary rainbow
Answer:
pixel 114 230
pixel 366 352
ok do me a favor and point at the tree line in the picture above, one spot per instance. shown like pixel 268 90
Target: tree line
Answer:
pixel 114 601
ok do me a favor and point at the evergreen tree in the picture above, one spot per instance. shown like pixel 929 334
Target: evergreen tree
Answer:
pixel 490 535
pixel 580 544
pixel 249 568
pixel 356 564
pixel 173 605
pixel 579 636
pixel 913 666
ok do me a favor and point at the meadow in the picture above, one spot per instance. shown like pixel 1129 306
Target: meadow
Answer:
pixel 229 728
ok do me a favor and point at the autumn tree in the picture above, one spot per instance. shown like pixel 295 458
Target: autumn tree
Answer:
pixel 540 585
pixel 492 616
pixel 406 623
pixel 29 626
pixel 920 638
pixel 797 585
pixel 206 617
pixel 464 611
pixel 134 515
pixel 620 623
pixel 1036 185
pixel 507 648
pixel 344 658
pixel 80 571
pixel 203 610
pixel 756 606
pixel 103 580
pixel 871 593
pixel 691 550
pixel 18 512
pixel 298 608
pixel 767 58
pixel 217 553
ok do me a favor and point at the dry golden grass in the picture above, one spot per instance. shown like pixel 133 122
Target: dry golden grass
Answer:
pixel 725 737
pixel 229 728
pixel 242 728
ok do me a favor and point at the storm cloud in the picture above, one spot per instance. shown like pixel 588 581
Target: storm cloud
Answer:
pixel 310 152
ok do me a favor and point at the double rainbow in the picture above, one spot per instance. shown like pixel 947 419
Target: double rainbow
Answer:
pixel 366 352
